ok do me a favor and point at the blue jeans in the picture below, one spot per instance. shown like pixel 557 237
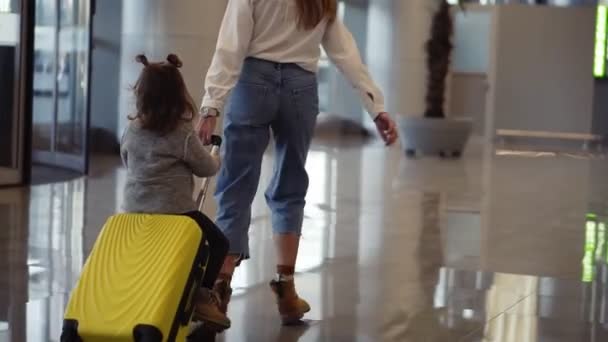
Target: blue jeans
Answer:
pixel 268 96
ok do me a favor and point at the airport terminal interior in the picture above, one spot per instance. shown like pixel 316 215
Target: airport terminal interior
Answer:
pixel 502 237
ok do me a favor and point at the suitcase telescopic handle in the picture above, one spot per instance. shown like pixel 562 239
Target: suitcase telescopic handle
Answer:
pixel 216 143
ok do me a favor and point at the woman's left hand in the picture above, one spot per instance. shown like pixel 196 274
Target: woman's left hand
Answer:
pixel 387 128
pixel 206 128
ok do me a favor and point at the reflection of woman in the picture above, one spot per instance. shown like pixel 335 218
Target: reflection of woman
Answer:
pixel 267 56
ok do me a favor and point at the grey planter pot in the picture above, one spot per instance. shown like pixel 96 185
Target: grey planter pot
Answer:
pixel 444 137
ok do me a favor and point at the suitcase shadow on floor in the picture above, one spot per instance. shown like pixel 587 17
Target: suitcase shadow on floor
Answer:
pixel 201 334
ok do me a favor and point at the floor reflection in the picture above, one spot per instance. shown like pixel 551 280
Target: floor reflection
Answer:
pixel 392 250
pixel 44 259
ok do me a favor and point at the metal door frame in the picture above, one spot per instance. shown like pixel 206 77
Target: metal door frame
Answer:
pixel 19 172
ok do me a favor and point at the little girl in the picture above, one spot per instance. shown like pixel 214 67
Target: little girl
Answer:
pixel 161 152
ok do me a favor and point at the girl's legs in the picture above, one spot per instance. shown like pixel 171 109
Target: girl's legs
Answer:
pixel 218 250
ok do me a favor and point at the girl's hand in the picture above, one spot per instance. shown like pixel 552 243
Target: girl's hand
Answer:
pixel 387 128
pixel 206 128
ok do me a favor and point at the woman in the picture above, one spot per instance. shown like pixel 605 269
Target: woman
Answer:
pixel 267 56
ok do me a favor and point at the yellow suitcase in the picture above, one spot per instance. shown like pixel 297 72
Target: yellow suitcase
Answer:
pixel 139 281
pixel 141 278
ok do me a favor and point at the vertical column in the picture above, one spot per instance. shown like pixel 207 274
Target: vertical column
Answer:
pixel 105 75
pixel 188 28
pixel 397 33
pixel 344 100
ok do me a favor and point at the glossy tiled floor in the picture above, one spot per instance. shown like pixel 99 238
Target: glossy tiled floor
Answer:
pixel 488 248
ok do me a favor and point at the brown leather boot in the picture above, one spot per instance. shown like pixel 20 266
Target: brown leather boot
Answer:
pixel 291 307
pixel 224 291
pixel 208 310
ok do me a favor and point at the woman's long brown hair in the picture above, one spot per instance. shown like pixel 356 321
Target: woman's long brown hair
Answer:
pixel 162 99
pixel 312 12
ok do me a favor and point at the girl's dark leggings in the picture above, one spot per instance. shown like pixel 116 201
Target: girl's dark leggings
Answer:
pixel 218 247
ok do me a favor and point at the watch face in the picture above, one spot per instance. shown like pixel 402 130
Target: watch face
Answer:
pixel 210 112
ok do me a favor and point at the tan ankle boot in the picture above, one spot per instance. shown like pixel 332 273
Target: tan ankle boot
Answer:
pixel 224 291
pixel 208 310
pixel 291 307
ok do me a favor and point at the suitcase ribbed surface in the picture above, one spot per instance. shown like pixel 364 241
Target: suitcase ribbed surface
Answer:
pixel 135 275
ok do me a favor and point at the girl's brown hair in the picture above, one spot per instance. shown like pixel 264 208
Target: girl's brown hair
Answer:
pixel 162 99
pixel 312 12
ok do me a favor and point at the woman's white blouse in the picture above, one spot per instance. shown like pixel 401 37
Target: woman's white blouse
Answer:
pixel 267 29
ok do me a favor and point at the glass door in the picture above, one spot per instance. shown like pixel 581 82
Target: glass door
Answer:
pixel 13 68
pixel 61 83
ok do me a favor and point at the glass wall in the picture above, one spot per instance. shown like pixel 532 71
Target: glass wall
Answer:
pixel 73 75
pixel 44 74
pixel 61 82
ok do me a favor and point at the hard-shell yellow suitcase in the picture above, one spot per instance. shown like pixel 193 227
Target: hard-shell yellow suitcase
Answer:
pixel 140 280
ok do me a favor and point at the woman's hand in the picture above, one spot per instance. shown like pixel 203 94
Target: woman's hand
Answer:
pixel 206 128
pixel 387 128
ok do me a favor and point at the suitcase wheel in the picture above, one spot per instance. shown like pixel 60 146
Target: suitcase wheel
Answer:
pixel 147 333
pixel 69 332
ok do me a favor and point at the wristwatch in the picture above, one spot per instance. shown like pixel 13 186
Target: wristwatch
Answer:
pixel 210 112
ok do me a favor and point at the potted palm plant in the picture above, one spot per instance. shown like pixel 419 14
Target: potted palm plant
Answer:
pixel 436 133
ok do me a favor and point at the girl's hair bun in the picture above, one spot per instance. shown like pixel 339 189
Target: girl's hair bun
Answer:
pixel 142 59
pixel 174 60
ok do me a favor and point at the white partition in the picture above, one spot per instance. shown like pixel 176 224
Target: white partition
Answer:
pixel 540 69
